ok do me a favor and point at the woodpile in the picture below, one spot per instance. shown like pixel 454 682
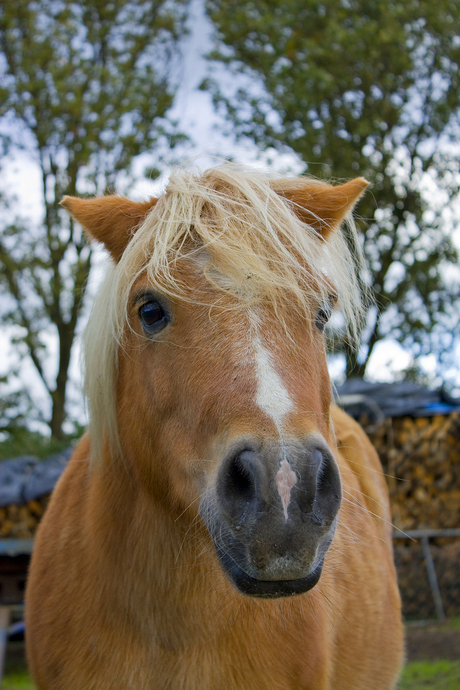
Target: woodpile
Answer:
pixel 21 521
pixel 25 487
pixel 421 461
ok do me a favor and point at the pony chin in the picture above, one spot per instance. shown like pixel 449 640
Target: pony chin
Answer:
pixel 283 575
pixel 265 589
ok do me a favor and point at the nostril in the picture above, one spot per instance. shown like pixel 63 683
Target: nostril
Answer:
pixel 240 481
pixel 325 473
pixel 328 484
pixel 322 474
pixel 238 486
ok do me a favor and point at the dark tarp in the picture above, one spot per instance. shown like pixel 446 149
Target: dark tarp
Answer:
pixel 380 400
pixel 26 478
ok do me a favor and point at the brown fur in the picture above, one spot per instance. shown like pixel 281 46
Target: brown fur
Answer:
pixel 117 598
pixel 112 219
pixel 321 206
pixel 125 590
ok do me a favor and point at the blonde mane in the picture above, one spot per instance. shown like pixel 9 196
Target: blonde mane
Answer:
pixel 255 247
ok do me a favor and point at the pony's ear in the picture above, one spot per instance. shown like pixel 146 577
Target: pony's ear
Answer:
pixel 112 220
pixel 322 206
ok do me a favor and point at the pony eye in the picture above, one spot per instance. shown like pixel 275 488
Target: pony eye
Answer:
pixel 322 317
pixel 152 316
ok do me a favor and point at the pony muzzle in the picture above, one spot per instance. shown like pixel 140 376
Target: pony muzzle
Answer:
pixel 272 514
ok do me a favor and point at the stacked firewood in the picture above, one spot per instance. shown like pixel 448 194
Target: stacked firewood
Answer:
pixel 421 461
pixel 25 487
pixel 21 521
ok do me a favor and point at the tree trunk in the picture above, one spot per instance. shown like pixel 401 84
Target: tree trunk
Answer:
pixel 58 415
pixel 66 333
pixel 354 369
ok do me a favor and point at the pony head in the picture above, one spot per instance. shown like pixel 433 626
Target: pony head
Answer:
pixel 205 361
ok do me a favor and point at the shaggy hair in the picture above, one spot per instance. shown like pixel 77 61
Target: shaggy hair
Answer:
pixel 255 249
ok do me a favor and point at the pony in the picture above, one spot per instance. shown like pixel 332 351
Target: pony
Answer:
pixel 222 525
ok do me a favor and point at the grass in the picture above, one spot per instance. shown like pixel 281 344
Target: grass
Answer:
pixel 17 680
pixel 431 675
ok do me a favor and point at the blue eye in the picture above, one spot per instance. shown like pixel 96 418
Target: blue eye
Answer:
pixel 152 315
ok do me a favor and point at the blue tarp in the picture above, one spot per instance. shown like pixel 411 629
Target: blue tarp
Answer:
pixel 403 399
pixel 26 478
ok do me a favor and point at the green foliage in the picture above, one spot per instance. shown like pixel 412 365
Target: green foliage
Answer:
pixel 23 441
pixel 372 88
pixel 85 88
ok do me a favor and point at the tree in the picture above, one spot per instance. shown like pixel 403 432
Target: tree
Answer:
pixel 85 88
pixel 364 87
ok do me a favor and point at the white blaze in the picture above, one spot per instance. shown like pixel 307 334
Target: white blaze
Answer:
pixel 273 398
